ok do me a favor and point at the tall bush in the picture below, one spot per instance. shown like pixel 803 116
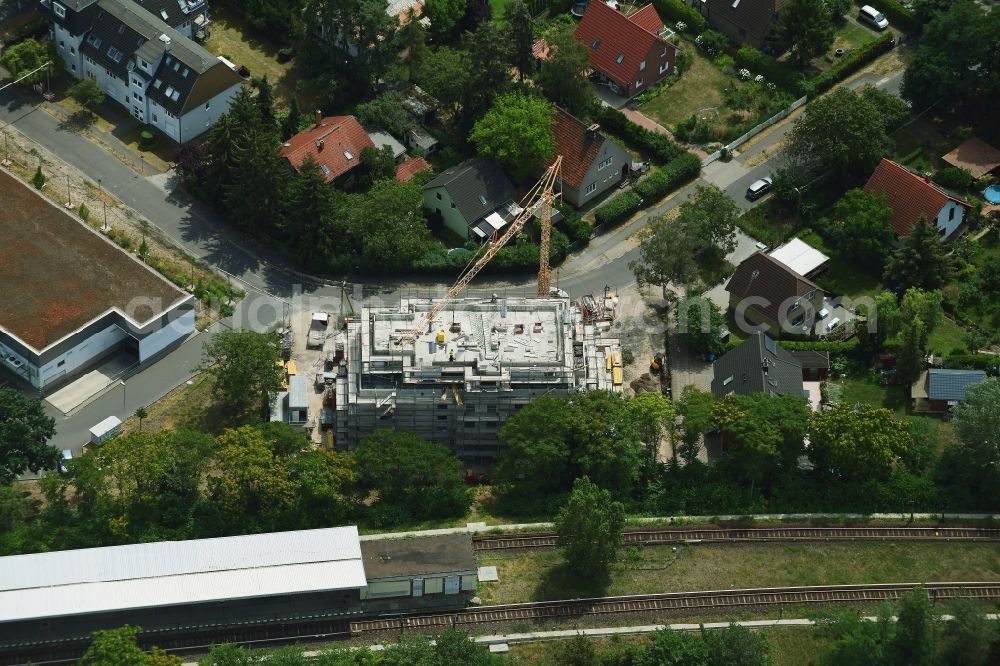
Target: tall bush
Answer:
pixel 675 10
pixel 778 73
pixel 851 63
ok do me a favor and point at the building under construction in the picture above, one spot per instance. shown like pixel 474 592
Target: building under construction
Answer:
pixel 456 379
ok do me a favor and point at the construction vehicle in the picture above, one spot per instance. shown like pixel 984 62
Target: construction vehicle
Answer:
pixel 538 200
pixel 317 330
pixel 656 365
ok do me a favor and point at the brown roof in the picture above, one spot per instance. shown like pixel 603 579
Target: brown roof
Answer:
pixel 909 195
pixel 647 18
pixel 57 274
pixel 405 171
pixel 577 146
pixel 621 43
pixel 975 156
pixel 336 145
pixel 420 556
pixel 766 277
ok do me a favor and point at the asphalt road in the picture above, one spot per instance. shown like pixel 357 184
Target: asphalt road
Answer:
pixel 272 292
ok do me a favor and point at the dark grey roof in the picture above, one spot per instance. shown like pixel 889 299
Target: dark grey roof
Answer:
pixel 78 15
pixel 951 384
pixel 173 12
pixel 763 276
pixel 754 16
pixel 393 558
pixel 477 187
pixel 757 365
pixel 813 360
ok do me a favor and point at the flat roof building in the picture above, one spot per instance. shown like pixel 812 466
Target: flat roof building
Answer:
pixel 72 296
pixel 433 569
pixel 456 381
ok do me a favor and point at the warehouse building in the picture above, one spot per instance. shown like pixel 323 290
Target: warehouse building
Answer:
pixel 202 586
pixel 72 297
pixel 457 380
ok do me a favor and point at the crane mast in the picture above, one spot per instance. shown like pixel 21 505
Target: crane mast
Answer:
pixel 541 195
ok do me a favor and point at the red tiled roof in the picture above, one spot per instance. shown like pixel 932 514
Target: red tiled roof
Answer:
pixel 410 168
pixel 619 36
pixel 909 195
pixel 336 144
pixel 577 148
pixel 540 49
pixel 647 18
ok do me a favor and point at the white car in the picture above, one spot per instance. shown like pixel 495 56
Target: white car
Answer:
pixel 758 188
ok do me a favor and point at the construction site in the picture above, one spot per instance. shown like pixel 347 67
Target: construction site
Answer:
pixel 480 360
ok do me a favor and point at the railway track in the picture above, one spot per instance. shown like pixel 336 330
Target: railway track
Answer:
pixel 272 635
pixel 671 601
pixel 487 542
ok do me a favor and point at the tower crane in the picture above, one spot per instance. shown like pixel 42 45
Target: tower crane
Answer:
pixel 540 197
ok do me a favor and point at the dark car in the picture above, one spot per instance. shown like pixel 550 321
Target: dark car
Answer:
pixel 758 188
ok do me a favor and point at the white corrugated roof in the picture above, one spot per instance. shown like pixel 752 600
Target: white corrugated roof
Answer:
pixel 799 256
pixel 166 573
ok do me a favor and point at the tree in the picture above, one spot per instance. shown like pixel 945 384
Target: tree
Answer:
pixel 838 8
pixel 27 56
pixel 326 485
pixel 738 646
pixel 589 528
pixel 228 655
pixel 970 634
pixel 25 431
pixel 765 433
pixel 281 18
pixel 492 56
pixel 517 16
pixel 562 77
pixel 841 136
pixel 140 414
pixel 290 125
pixel 919 313
pixel 805 28
pixel 265 100
pixel 114 646
pixel 672 251
pixel 977 424
pixel 699 323
pixel 922 261
pixel 387 224
pixel 577 651
pixel 415 477
pixel 956 57
pixel 444 73
pixel 916 630
pixel 653 416
pixel 380 163
pixel 444 16
pixel 674 648
pixel 387 112
pixel 894 111
pixel 477 12
pixel 861 222
pixel 854 640
pixel 456 647
pixel 253 488
pixel 363 28
pixel 696 409
pixel 312 223
pixel 38 180
pixel 87 93
pixel 857 442
pixel 517 133
pixel 246 370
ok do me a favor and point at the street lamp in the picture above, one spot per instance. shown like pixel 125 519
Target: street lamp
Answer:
pixel 124 413
pixel 69 194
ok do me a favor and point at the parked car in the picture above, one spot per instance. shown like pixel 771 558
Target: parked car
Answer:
pixel 873 17
pixel 758 188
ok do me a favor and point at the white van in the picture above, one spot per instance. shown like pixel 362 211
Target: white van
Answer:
pixel 67 454
pixel 873 17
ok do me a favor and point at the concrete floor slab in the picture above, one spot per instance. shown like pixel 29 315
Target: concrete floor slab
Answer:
pixel 86 386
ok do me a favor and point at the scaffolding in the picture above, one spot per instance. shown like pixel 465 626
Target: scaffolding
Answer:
pixel 481 361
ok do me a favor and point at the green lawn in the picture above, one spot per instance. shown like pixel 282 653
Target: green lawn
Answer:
pixel 946 336
pixel 847 277
pixel 848 36
pixel 698 89
pixel 769 222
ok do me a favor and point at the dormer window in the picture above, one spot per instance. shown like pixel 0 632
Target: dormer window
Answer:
pixel 94 40
pixel 121 29
pixel 596 43
pixel 115 54
pixel 348 155
pixel 59 10
pixel 642 65
pixel 163 14
pixel 620 58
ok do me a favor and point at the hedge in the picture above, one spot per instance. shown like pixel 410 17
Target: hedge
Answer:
pixel 618 209
pixel 663 181
pixel 898 15
pixel 660 146
pixel 675 10
pixel 820 345
pixel 777 73
pixel 852 62
pixel 972 362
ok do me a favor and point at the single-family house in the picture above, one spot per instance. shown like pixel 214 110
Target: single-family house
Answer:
pixel 742 21
pixel 912 196
pixel 334 142
pixel 757 365
pixel 765 292
pixel 157 72
pixel 592 163
pixel 801 257
pixel 628 51
pixel 475 199
pixel 189 17
pixel 938 390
